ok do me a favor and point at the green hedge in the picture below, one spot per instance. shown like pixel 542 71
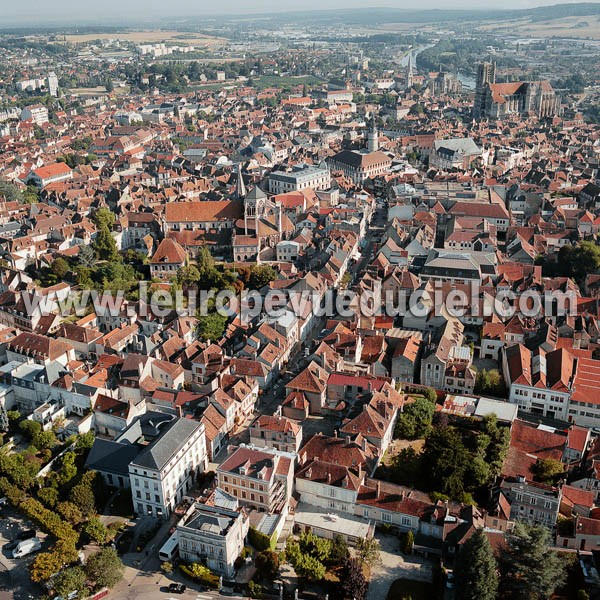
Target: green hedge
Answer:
pixel 201 574
pixel 260 541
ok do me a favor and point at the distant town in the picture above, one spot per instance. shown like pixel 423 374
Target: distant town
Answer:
pixel 302 307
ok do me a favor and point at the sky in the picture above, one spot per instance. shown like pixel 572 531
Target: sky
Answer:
pixel 39 11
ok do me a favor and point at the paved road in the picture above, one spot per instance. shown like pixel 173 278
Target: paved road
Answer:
pixel 154 586
pixel 395 566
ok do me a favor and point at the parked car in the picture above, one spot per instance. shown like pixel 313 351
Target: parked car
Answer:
pixel 25 547
pixel 177 588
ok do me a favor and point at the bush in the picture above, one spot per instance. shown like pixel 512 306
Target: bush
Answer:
pixel 201 574
pixel 267 564
pixel 166 567
pixel 30 428
pixel 104 568
pixel 408 541
pixel 255 589
pixel 304 564
pixel 96 530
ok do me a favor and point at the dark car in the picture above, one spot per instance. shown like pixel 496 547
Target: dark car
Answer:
pixel 177 588
pixel 27 534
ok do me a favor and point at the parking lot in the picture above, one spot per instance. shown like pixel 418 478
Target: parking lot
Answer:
pixel 14 573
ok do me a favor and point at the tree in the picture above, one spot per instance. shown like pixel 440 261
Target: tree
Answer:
pixel 68 468
pixel 13 416
pixel 309 567
pixel 60 267
pixel 445 460
pixel 188 275
pixel 339 550
pixel 261 275
pixel 530 569
pixel 318 547
pixel 45 565
pixel 69 580
pixel 45 440
pixel 354 583
pixel 267 564
pixel 96 530
pixel 408 542
pixel 86 257
pixel 104 568
pixel 71 512
pixel 205 261
pixel 368 551
pixel 30 427
pixel 476 571
pixel 430 394
pixel 83 494
pixel 547 470
pixel 105 245
pixel 211 326
pixel 578 261
pixel 85 441
pixel 490 382
pixel 415 421
pixel 10 191
pixel 104 217
pixel 49 496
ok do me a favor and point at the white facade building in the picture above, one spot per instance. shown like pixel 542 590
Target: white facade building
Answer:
pixel 162 474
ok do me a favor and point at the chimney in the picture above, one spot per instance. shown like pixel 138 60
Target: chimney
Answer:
pixel 378 489
pixel 335 433
pixel 364 444
pixel 348 440
pixel 359 470
pixel 328 478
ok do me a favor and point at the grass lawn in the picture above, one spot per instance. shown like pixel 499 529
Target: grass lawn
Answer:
pixel 398 445
pixel 403 589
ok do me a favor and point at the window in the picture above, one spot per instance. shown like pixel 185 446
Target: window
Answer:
pixel 386 517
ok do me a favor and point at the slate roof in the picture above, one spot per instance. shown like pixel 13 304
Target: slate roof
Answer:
pixel 107 456
pixel 156 455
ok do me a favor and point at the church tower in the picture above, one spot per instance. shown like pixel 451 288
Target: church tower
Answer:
pixel 373 137
pixel 409 72
pixel 486 74
pixel 240 188
pixel 255 204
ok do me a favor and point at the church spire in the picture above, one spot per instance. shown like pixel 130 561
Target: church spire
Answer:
pixel 409 71
pixel 240 188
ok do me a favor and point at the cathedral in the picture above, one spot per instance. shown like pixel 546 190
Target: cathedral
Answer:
pixel 500 100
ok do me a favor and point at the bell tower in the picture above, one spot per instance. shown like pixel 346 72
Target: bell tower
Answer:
pixel 373 137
